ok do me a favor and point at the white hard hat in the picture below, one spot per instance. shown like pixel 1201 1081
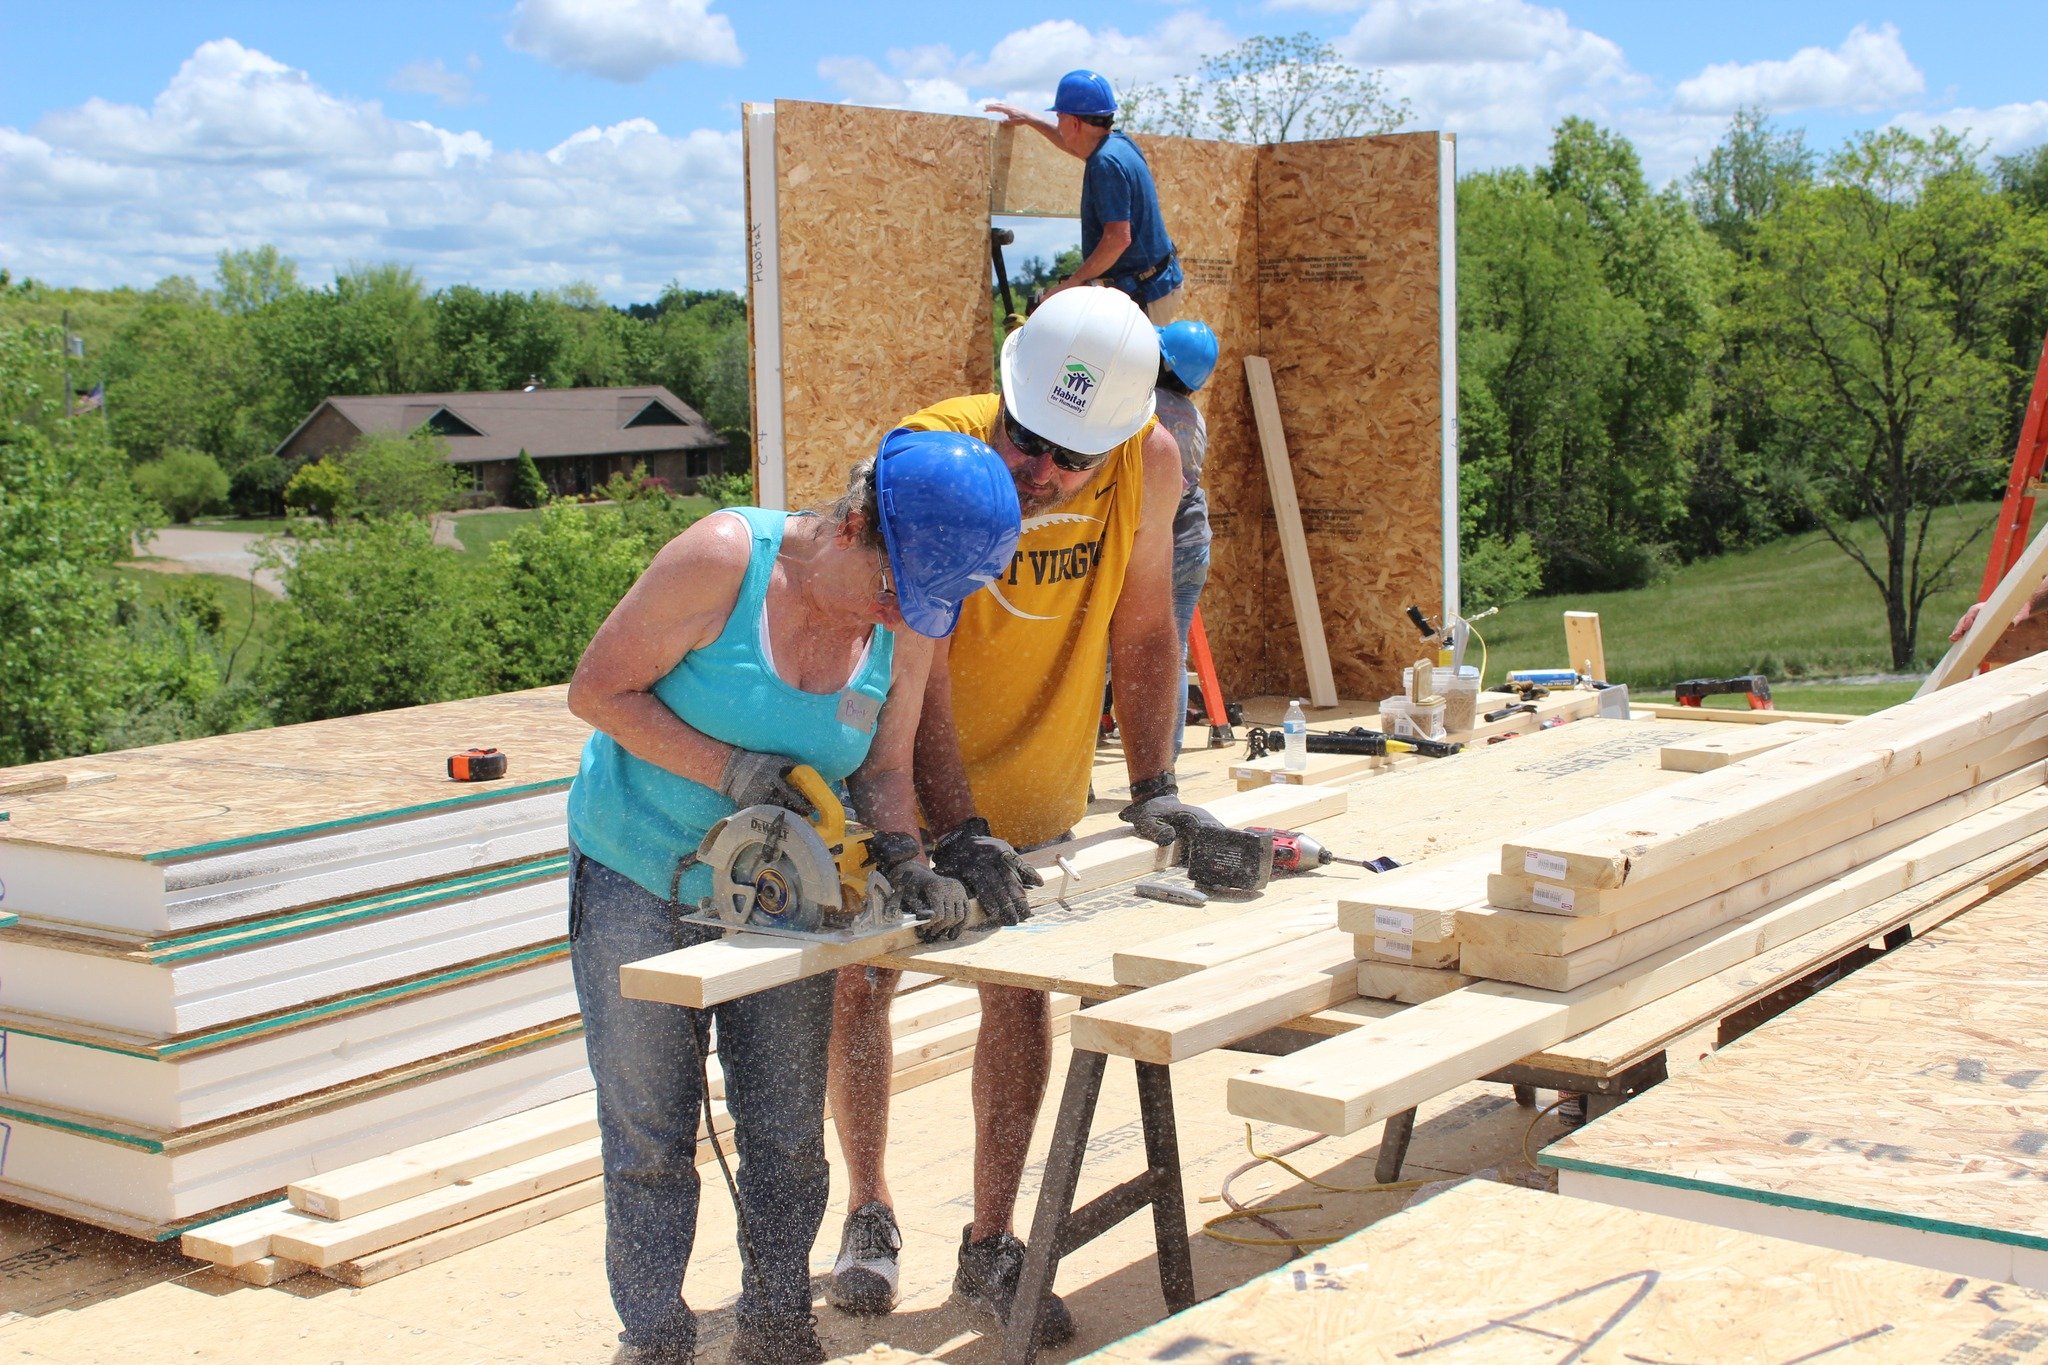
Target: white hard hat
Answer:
pixel 1080 371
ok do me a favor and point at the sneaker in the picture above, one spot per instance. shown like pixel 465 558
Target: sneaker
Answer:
pixel 667 1353
pixel 777 1341
pixel 864 1276
pixel 1571 1109
pixel 987 1282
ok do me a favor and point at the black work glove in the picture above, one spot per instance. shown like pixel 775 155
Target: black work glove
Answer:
pixel 990 869
pixel 916 890
pixel 1157 813
pixel 757 779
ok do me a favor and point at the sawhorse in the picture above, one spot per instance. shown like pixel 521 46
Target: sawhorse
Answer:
pixel 1058 1228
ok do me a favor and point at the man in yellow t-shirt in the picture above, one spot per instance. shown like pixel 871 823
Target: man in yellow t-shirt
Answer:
pixel 1007 741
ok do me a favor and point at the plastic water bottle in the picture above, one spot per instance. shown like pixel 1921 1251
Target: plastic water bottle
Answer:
pixel 1295 730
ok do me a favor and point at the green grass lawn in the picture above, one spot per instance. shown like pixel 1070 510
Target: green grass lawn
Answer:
pixel 236 606
pixel 1844 698
pixel 1796 608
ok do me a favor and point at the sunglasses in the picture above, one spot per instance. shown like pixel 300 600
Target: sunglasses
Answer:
pixel 1031 445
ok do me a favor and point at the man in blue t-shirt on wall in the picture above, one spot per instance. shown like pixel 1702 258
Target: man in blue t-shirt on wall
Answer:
pixel 1123 242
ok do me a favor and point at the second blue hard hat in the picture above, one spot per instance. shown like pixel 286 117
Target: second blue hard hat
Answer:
pixel 1189 351
pixel 1085 93
pixel 950 521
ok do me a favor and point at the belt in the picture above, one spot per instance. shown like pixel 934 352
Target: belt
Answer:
pixel 1128 282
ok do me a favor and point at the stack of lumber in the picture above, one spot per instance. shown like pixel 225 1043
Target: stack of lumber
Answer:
pixel 1580 921
pixel 372 1220
pixel 1287 954
pixel 245 959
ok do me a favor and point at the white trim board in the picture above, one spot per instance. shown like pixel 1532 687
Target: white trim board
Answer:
pixel 149 899
pixel 164 1000
pixel 183 1091
pixel 1447 346
pixel 134 1185
pixel 764 306
pixel 1960 1254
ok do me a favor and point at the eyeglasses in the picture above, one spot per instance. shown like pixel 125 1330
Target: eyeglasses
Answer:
pixel 1032 446
pixel 886 593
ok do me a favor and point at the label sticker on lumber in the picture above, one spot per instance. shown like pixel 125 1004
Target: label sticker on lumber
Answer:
pixel 1385 921
pixel 1553 897
pixel 1543 864
pixel 1394 947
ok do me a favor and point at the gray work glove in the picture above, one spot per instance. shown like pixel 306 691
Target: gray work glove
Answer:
pixel 757 779
pixel 1157 813
pixel 990 869
pixel 915 890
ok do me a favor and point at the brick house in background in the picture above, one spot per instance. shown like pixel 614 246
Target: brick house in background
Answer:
pixel 577 437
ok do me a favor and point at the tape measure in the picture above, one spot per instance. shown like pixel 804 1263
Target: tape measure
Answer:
pixel 476 765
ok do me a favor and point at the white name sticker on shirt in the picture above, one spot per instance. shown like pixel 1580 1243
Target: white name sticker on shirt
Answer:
pixel 858 710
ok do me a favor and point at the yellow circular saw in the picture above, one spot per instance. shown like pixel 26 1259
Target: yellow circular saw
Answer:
pixel 775 872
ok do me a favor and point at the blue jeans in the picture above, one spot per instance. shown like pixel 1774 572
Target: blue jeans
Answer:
pixel 650 1099
pixel 1190 572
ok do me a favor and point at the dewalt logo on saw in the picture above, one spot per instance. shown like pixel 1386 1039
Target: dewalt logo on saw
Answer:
pixel 1075 388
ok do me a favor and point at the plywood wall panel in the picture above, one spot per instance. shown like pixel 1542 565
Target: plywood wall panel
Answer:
pixel 1031 178
pixel 884 253
pixel 1208 197
pixel 1348 316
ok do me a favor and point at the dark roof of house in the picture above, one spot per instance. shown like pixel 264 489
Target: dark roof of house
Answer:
pixel 543 422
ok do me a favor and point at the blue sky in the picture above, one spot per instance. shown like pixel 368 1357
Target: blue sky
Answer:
pixel 536 143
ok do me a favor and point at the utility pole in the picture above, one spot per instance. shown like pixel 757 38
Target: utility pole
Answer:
pixel 67 362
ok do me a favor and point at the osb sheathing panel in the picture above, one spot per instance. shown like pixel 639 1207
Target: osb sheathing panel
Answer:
pixel 1348 316
pixel 1208 197
pixel 269 783
pixel 883 229
pixel 1031 178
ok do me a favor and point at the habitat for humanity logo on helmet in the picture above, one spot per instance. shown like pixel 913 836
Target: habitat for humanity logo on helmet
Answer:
pixel 1076 386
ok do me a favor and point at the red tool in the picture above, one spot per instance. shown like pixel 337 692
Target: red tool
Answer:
pixel 1755 686
pixel 476 765
pixel 1294 851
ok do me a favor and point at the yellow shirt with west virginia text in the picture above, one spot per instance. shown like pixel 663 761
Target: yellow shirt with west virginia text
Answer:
pixel 1030 652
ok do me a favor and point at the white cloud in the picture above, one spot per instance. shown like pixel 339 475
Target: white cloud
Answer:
pixel 1023 66
pixel 434 78
pixel 622 40
pixel 1870 70
pixel 239 149
pixel 2008 128
pixel 1499 73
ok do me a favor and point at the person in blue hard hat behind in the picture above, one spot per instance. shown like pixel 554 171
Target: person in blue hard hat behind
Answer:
pixel 1187 357
pixel 1124 243
pixel 756 641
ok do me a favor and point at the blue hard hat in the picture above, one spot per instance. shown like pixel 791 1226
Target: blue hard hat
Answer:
pixel 950 521
pixel 1085 93
pixel 1189 350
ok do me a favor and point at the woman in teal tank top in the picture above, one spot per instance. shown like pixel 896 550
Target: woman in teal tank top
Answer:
pixel 756 640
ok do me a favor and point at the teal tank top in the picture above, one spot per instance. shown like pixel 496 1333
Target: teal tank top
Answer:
pixel 642 820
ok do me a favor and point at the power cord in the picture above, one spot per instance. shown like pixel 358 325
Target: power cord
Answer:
pixel 700 1034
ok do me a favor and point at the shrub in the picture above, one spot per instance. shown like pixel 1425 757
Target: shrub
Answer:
pixel 321 489
pixel 549 586
pixel 183 482
pixel 375 616
pixel 402 476
pixel 728 490
pixel 1493 573
pixel 257 488
pixel 529 489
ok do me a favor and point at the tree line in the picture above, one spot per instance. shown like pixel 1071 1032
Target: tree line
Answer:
pixel 200 383
pixel 1782 342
